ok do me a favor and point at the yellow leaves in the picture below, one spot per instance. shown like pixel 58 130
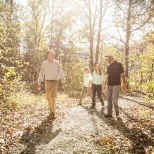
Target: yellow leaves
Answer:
pixel 10 72
pixel 11 129
pixel 111 143
pixel 133 108
pixel 140 113
pixel 104 140
pixel 144 113
pixel 152 103
pixel 119 22
pixel 110 146
pixel 107 140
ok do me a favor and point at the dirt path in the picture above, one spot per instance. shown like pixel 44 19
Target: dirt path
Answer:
pixel 79 130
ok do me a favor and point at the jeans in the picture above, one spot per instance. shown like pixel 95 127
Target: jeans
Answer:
pixel 98 89
pixel 112 94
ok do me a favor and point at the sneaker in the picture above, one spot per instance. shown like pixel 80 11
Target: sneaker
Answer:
pixel 108 116
pixel 91 107
pixel 79 104
pixel 52 116
pixel 49 117
pixel 102 104
pixel 118 117
pixel 102 109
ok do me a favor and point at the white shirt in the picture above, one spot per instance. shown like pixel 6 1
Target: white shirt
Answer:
pixel 86 79
pixel 51 70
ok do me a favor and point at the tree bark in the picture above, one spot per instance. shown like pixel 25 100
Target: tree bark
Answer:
pixel 127 40
pixel 99 34
pixel 91 39
pixel 58 42
pixel 51 21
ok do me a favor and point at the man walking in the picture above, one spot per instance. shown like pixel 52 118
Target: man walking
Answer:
pixel 52 71
pixel 114 73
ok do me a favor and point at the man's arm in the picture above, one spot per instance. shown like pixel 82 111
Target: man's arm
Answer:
pixel 124 82
pixel 104 82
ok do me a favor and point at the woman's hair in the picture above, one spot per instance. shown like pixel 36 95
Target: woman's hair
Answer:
pixel 97 65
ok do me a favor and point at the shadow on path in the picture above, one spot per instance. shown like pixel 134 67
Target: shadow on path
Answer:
pixel 139 139
pixel 42 134
pixel 149 126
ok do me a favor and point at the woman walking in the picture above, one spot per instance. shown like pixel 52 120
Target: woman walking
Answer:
pixel 97 85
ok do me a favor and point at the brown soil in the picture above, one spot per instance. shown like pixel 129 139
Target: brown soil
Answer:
pixel 79 130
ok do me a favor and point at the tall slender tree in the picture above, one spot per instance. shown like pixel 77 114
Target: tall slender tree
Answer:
pixel 94 12
pixel 132 16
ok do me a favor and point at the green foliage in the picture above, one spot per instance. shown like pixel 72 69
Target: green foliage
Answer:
pixel 74 78
pixel 32 63
pixel 46 25
pixel 9 77
pixel 150 86
pixel 146 99
pixel 9 54
pixel 141 70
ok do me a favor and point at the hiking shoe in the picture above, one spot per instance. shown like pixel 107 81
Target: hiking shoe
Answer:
pixel 52 116
pixel 91 107
pixel 102 104
pixel 79 104
pixel 118 117
pixel 108 116
pixel 102 109
pixel 49 117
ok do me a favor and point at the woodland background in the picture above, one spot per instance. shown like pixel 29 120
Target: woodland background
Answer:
pixel 81 32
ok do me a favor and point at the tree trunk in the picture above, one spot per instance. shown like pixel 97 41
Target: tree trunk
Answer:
pixel 51 20
pixel 91 39
pixel 99 34
pixel 58 42
pixel 127 40
pixel 152 72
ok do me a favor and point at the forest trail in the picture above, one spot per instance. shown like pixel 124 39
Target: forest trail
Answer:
pixel 79 130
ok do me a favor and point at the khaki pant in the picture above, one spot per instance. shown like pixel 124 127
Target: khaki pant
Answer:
pixel 51 92
pixel 84 92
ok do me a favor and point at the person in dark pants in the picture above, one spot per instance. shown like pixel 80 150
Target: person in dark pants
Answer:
pixel 97 84
pixel 114 73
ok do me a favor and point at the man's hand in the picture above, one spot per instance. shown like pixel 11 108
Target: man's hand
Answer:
pixel 103 86
pixel 88 88
pixel 62 86
pixel 39 87
pixel 124 88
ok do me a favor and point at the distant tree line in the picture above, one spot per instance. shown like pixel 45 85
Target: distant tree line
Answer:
pixel 71 27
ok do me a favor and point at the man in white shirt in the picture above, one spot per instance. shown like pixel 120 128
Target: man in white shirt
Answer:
pixel 52 71
pixel 87 79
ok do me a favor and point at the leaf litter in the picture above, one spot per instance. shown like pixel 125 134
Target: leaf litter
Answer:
pixel 77 129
